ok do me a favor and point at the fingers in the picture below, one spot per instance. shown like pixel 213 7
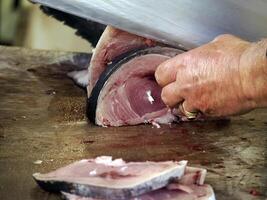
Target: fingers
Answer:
pixel 188 107
pixel 173 96
pixel 170 95
pixel 166 72
pixel 225 37
pixel 226 41
pixel 184 112
pixel 228 38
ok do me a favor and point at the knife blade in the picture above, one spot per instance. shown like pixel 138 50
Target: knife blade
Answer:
pixel 182 23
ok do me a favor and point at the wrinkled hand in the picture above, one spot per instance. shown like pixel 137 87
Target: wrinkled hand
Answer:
pixel 216 79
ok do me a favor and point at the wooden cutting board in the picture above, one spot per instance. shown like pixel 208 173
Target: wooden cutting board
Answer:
pixel 43 126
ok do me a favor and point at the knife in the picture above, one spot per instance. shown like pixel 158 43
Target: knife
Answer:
pixel 181 23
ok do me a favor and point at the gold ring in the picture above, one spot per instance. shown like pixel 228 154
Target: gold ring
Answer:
pixel 188 115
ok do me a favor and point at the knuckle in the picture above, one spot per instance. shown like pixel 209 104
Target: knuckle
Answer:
pixel 208 108
pixel 187 57
pixel 185 89
pixel 223 37
pixel 209 111
pixel 158 75
pixel 188 105
pixel 203 106
pixel 182 74
pixel 165 95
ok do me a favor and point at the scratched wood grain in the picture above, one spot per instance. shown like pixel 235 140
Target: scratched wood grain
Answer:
pixel 42 118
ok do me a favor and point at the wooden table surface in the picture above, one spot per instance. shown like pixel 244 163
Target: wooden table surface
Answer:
pixel 42 118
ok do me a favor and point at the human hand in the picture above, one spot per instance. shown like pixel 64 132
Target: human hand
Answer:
pixel 216 79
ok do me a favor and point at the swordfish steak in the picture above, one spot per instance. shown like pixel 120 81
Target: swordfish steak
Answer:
pixel 112 43
pixel 127 92
pixel 193 192
pixel 190 187
pixel 104 178
pixel 122 89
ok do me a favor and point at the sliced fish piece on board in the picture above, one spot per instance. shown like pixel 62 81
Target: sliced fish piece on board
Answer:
pixel 190 187
pixel 113 179
pixel 203 192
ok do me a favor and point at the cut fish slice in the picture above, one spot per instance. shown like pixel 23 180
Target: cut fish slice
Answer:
pixel 203 192
pixel 127 93
pixel 190 187
pixel 112 43
pixel 104 178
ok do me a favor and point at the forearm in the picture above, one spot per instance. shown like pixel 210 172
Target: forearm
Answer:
pixel 253 73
